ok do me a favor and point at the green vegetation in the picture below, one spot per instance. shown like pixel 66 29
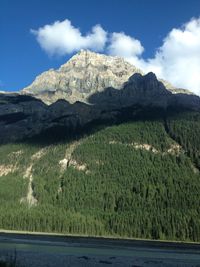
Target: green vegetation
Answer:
pixel 185 129
pixel 136 179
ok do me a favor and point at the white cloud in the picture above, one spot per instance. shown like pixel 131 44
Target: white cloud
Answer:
pixel 177 60
pixel 125 46
pixel 61 38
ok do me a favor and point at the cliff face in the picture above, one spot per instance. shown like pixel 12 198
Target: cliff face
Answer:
pixel 88 87
pixel 24 116
pixel 85 74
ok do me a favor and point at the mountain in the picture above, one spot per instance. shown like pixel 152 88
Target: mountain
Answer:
pixel 122 162
pixel 137 176
pixel 24 115
pixel 85 74
pixel 88 87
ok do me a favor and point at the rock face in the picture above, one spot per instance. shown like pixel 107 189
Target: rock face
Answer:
pixel 139 89
pixel 89 87
pixel 19 115
pixel 23 116
pixel 85 74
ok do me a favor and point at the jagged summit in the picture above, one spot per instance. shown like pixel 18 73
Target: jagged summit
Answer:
pixel 89 59
pixel 110 86
pixel 85 74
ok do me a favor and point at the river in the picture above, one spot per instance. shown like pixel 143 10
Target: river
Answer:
pixel 67 251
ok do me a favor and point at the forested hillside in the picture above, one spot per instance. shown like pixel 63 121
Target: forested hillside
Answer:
pixel 138 178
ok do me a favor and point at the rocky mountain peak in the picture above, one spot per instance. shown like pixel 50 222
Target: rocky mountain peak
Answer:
pixel 89 59
pixel 110 86
pixel 85 74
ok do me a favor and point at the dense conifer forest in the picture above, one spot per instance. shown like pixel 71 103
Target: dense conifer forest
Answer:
pixel 138 178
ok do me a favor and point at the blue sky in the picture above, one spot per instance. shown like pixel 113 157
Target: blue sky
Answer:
pixel 146 21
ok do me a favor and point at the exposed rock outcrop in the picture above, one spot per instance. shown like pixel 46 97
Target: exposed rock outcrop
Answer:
pixel 85 74
pixel 102 87
pixel 30 198
pixel 6 169
pixel 24 116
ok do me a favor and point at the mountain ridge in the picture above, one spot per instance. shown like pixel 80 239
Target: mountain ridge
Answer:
pixel 26 114
pixel 126 163
pixel 23 116
pixel 84 74
pixel 131 179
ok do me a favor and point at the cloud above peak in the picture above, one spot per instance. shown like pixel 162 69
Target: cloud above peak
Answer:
pixel 177 60
pixel 124 45
pixel 61 38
